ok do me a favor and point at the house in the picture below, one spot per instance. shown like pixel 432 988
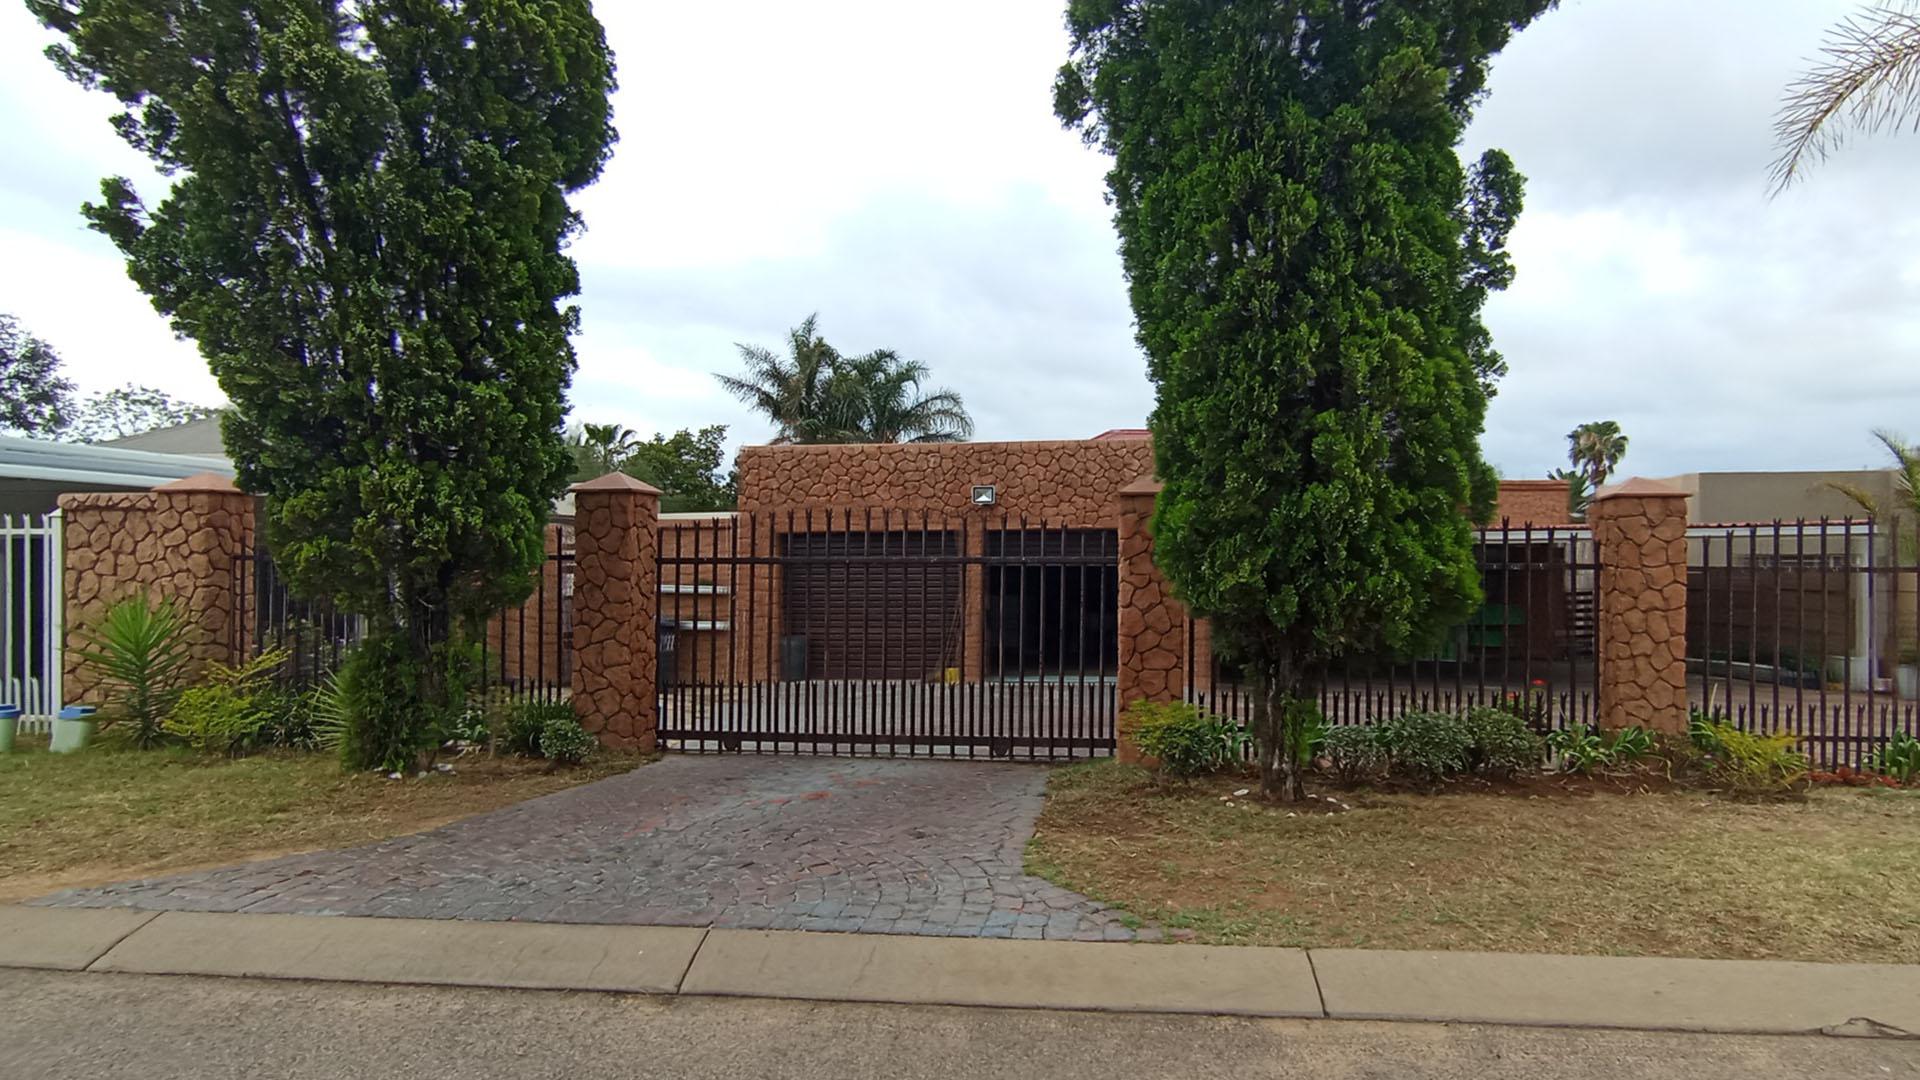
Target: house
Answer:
pixel 34 472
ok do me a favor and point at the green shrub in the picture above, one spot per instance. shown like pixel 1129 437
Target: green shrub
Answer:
pixel 1502 744
pixel 526 721
pixel 1585 751
pixel 228 713
pixel 139 654
pixel 1426 747
pixel 1749 764
pixel 563 740
pixel 1630 746
pixel 1353 753
pixel 1899 759
pixel 1184 739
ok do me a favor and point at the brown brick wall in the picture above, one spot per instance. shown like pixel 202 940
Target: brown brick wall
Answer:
pixel 615 597
pixel 1532 502
pixel 1641 533
pixel 178 543
pixel 1067 483
pixel 1153 625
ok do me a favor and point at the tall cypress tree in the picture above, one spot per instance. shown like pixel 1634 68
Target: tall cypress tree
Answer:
pixel 366 236
pixel 1307 258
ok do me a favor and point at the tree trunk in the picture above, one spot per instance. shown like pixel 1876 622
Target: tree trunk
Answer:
pixel 1275 728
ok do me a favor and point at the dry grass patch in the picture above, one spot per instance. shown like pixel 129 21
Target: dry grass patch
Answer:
pixel 1833 878
pixel 107 814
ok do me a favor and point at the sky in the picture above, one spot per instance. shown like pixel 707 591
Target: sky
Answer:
pixel 896 168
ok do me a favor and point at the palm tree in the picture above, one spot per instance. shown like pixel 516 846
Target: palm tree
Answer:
pixel 816 395
pixel 1578 495
pixel 878 399
pixel 599 449
pixel 1868 79
pixel 1594 449
pixel 1906 481
pixel 790 391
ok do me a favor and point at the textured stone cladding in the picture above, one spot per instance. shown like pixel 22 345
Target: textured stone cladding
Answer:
pixel 1642 541
pixel 1153 625
pixel 178 545
pixel 1068 483
pixel 615 600
pixel 1532 502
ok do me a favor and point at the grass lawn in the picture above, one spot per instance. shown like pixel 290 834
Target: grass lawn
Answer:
pixel 1834 878
pixel 110 814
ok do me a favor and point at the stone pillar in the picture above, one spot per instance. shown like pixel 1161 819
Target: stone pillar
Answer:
pixel 1640 533
pixel 182 542
pixel 1152 624
pixel 616 596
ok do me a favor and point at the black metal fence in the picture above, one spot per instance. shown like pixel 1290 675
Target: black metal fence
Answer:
pixel 1530 645
pixel 1810 628
pixel 316 635
pixel 526 651
pixel 869 631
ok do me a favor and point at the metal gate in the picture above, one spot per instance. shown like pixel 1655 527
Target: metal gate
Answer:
pixel 32 591
pixel 873 632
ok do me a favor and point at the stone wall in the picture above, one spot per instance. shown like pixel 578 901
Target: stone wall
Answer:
pixel 181 541
pixel 1068 483
pixel 1153 625
pixel 615 605
pixel 1640 529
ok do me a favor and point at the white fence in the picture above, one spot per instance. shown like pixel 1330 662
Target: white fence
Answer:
pixel 31 641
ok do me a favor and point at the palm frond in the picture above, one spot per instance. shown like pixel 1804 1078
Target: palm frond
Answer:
pixel 1868 79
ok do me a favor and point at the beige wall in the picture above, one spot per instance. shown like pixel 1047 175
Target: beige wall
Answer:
pixel 1738 497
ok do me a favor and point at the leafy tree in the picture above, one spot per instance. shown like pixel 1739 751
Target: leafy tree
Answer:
pixel 132 410
pixel 1579 491
pixel 1869 80
pixel 1306 258
pixel 366 236
pixel 789 391
pixel 599 449
pixel 34 398
pixel 688 467
pixel 817 395
pixel 1595 449
pixel 876 398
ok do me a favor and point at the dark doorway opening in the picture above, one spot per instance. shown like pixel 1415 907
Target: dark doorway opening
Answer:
pixel 1052 603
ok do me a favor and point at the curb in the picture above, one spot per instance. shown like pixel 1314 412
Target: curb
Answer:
pixel 1647 994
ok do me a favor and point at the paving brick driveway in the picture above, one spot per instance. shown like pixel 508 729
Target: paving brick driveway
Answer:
pixel 906 847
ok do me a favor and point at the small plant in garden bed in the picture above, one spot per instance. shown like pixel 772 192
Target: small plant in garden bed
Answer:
pixel 1186 740
pixel 227 713
pixel 1744 763
pixel 563 741
pixel 139 652
pixel 1899 760
pixel 1585 751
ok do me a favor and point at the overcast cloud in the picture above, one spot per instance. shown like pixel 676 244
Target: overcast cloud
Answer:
pixel 896 167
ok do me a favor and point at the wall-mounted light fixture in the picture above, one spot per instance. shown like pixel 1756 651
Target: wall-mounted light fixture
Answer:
pixel 985 495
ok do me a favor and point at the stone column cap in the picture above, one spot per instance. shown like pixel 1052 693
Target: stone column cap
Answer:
pixel 206 482
pixel 1146 485
pixel 1640 487
pixel 616 481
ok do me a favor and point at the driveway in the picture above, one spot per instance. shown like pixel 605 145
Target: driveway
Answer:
pixel 903 847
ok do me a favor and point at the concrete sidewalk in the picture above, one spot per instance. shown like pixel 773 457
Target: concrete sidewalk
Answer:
pixel 1746 997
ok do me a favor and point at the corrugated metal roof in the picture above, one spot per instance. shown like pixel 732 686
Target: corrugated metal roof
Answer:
pixel 79 463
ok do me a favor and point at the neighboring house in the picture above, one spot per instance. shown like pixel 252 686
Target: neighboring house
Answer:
pixel 200 437
pixel 34 473
pixel 1717 498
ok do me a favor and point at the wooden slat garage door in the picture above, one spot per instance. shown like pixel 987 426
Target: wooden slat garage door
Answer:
pixel 873 605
